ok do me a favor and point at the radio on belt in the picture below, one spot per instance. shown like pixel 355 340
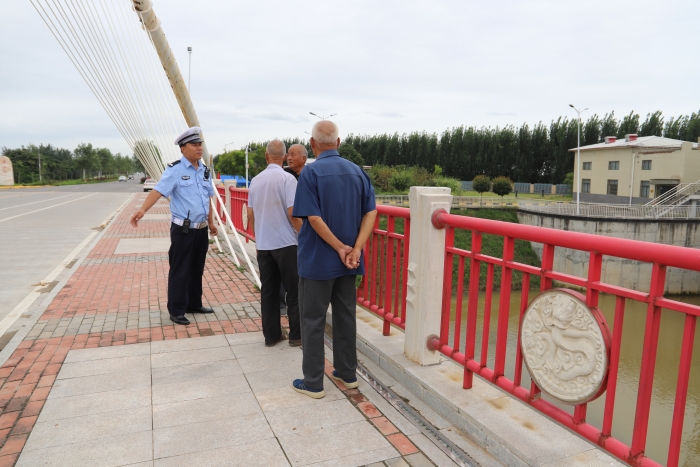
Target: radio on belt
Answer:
pixel 186 224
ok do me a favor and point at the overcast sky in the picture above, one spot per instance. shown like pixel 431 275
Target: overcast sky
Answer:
pixel 258 68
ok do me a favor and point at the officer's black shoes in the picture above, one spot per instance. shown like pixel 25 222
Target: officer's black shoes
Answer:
pixel 201 309
pixel 180 320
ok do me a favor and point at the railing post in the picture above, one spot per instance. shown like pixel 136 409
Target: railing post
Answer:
pixel 425 273
pixel 227 200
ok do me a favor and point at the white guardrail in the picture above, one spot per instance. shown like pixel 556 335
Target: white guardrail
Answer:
pixel 564 208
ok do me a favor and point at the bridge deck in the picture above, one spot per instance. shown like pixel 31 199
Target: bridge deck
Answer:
pixel 104 378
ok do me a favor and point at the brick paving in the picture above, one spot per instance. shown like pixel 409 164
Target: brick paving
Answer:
pixel 116 300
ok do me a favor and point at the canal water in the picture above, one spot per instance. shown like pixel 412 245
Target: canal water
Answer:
pixel 665 375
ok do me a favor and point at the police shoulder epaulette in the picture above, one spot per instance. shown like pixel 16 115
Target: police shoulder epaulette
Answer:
pixel 173 164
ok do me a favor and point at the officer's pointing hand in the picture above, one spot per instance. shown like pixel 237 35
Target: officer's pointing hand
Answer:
pixel 137 217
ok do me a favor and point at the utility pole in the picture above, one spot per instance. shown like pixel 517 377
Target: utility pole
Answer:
pixel 246 164
pixel 38 150
pixel 578 158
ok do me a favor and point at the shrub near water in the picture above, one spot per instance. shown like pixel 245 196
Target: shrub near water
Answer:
pixel 399 179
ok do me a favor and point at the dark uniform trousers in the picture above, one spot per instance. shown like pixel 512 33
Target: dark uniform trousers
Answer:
pixel 279 266
pixel 186 256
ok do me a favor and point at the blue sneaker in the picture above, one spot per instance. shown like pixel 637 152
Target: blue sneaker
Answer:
pixel 350 383
pixel 300 387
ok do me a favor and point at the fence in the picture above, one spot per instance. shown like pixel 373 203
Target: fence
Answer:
pixel 383 288
pixel 660 256
pixel 616 211
pixel 239 216
pixel 464 201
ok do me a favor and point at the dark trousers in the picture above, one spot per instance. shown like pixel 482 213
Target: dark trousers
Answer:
pixel 279 267
pixel 314 298
pixel 186 256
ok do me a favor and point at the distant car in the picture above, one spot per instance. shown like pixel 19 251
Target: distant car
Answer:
pixel 149 184
pixel 131 177
pixel 122 178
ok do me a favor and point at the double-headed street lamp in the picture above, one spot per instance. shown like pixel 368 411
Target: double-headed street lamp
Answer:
pixel 322 117
pixel 578 157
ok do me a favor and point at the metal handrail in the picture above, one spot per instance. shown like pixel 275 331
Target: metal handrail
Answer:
pixel 672 196
pixel 613 211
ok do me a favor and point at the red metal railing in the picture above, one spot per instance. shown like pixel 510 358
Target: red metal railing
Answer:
pixel 221 207
pixel 660 257
pixel 239 201
pixel 383 288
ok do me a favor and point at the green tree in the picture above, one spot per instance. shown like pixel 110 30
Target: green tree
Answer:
pixel 347 151
pixel 106 161
pixel 85 158
pixel 502 186
pixel 629 125
pixel 653 125
pixel 231 163
pixel 569 180
pixel 481 184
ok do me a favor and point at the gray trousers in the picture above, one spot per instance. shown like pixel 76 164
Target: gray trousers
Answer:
pixel 314 298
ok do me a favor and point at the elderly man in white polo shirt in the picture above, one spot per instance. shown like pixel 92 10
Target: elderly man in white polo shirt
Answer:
pixel 270 204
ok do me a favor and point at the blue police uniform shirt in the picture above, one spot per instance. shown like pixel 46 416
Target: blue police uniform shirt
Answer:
pixel 341 193
pixel 188 190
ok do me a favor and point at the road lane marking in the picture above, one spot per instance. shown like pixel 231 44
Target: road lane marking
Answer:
pixel 44 209
pixel 10 319
pixel 12 316
pixel 42 201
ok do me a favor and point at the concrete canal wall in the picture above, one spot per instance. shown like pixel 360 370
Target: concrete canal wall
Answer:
pixel 617 271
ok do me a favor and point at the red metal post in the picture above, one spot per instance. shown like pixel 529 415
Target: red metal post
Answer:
pixel 504 308
pixel 473 304
pixel 646 377
pixel 674 448
pixel 458 304
pixel 518 351
pixel 447 287
pixel 613 367
pixel 487 315
pixel 404 290
pixel 388 278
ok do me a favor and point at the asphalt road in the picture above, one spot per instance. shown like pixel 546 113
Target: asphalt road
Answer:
pixel 40 227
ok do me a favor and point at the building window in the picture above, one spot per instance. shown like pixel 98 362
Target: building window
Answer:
pixel 587 165
pixel 646 165
pixel 612 187
pixel 586 185
pixel 614 165
pixel 644 189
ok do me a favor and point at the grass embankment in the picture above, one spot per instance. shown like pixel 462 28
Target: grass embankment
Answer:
pixel 491 245
pixel 65 182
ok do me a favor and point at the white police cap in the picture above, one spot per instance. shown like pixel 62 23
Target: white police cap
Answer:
pixel 192 135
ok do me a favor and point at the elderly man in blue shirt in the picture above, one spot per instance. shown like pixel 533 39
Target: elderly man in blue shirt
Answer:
pixel 188 183
pixel 335 199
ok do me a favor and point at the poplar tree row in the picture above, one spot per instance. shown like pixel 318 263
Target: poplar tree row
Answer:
pixel 537 154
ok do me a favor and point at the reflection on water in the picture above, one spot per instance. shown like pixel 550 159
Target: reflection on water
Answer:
pixel 665 375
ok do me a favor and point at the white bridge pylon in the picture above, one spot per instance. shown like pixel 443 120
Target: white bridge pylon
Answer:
pixel 122 62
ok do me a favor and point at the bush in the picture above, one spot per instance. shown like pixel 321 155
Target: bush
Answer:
pixel 481 184
pixel 451 183
pixel 502 186
pixel 348 152
pixel 402 180
pixel 381 177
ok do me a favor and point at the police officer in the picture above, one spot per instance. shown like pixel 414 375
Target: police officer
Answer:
pixel 188 183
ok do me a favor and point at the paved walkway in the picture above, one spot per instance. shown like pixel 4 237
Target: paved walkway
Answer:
pixel 105 379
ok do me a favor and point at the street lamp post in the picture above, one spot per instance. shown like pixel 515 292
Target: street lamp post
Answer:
pixel 322 117
pixel 578 158
pixel 246 164
pixel 189 69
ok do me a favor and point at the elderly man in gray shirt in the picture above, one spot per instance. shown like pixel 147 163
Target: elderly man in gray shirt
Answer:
pixel 270 204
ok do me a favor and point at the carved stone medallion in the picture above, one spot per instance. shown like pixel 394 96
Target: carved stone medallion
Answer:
pixel 565 346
